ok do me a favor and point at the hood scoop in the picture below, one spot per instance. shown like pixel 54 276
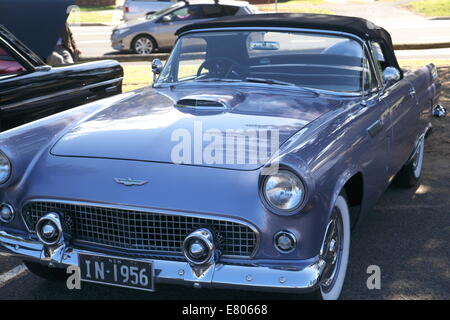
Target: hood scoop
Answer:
pixel 202 102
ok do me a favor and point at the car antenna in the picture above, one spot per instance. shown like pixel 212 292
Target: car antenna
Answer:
pixel 186 2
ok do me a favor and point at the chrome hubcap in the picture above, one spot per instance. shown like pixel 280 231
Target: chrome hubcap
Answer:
pixel 332 250
pixel 143 46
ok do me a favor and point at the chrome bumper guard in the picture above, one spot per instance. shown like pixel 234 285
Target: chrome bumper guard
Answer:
pixel 216 275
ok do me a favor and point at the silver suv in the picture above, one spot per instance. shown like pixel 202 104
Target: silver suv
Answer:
pixel 158 31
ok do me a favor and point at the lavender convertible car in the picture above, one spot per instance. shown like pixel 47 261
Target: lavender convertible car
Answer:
pixel 263 142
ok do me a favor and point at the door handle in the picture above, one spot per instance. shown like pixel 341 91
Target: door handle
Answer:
pixel 412 92
pixel 375 128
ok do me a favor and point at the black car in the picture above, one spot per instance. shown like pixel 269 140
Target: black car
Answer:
pixel 30 89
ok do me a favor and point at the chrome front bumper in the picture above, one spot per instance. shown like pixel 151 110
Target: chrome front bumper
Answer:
pixel 252 277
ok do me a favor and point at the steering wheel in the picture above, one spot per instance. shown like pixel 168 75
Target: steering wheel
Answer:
pixel 221 67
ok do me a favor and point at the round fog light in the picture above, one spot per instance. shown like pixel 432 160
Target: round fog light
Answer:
pixel 285 241
pixel 48 229
pixel 6 213
pixel 198 247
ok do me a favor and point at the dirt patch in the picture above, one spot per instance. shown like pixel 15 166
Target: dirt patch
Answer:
pixel 438 146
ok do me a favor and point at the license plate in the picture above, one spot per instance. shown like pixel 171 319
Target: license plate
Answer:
pixel 117 272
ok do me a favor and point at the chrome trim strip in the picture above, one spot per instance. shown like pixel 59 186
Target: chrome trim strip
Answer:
pixel 61 93
pixel 146 210
pixel 284 278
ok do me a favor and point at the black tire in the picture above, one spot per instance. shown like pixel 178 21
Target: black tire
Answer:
pixel 333 277
pixel 143 44
pixel 51 274
pixel 409 174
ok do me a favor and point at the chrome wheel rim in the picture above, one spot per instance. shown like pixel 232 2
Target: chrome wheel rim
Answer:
pixel 332 250
pixel 143 46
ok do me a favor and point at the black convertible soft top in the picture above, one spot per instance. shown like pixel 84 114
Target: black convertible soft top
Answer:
pixel 353 25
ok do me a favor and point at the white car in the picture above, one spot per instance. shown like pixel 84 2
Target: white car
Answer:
pixel 137 9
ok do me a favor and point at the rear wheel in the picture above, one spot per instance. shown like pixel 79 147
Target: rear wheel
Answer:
pixel 409 174
pixel 335 251
pixel 143 44
pixel 52 274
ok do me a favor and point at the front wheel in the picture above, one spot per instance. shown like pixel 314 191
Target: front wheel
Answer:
pixel 143 45
pixel 335 251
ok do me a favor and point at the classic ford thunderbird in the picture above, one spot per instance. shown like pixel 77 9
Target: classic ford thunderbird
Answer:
pixel 261 145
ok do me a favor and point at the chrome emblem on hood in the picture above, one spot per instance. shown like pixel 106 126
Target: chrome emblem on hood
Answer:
pixel 130 182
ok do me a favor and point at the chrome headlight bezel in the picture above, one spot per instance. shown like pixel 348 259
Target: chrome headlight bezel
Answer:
pixel 4 161
pixel 273 207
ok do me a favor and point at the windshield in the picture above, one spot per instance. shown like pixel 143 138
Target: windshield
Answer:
pixel 319 61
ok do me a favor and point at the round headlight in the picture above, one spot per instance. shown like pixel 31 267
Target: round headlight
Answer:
pixel 5 168
pixel 284 190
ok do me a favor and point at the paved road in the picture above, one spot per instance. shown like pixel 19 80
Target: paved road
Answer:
pixel 406 235
pixel 409 28
pixel 93 41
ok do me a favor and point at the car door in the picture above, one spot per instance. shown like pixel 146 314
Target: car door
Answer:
pixel 400 100
pixel 31 90
pixel 377 129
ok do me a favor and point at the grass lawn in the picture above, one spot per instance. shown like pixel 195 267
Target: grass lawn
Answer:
pixel 292 8
pixel 295 6
pixel 306 2
pixel 138 76
pixel 432 8
pixel 88 14
pixel 415 64
pixel 96 8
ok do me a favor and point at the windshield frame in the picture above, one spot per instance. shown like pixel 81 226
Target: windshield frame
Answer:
pixel 363 43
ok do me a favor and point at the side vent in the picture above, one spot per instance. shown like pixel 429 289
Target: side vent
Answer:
pixel 201 103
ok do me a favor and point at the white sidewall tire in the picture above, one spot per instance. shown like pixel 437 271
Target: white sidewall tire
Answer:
pixel 418 170
pixel 335 291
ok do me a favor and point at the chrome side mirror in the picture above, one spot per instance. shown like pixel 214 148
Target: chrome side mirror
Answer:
pixel 157 67
pixel 390 76
pixel 166 19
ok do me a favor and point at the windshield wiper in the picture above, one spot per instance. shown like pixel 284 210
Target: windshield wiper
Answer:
pixel 268 81
pixel 283 83
pixel 255 80
pixel 217 80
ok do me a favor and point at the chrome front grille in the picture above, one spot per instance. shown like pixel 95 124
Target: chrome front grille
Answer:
pixel 141 231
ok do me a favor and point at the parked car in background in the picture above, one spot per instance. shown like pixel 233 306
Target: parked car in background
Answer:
pixel 137 9
pixel 158 32
pixel 30 89
pixel 263 142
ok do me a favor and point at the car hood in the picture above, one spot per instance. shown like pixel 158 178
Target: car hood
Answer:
pixel 151 126
pixel 37 24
